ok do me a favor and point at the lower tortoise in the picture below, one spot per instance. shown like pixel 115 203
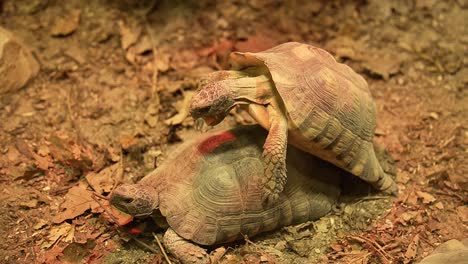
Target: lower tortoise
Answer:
pixel 210 192
pixel 302 94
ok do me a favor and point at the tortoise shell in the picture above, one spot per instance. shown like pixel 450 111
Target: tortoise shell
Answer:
pixel 330 111
pixel 210 189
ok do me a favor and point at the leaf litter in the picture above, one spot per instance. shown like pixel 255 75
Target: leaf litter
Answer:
pixel 431 203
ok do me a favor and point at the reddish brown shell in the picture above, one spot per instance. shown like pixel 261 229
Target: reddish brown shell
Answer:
pixel 210 189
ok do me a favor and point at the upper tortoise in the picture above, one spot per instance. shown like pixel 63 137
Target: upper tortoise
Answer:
pixel 299 92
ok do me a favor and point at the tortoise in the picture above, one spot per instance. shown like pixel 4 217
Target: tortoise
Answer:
pixel 210 190
pixel 302 94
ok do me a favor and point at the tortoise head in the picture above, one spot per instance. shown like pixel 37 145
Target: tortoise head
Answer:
pixel 135 199
pixel 225 89
pixel 212 103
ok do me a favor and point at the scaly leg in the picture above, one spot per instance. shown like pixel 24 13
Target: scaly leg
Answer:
pixel 387 182
pixel 274 155
pixel 188 252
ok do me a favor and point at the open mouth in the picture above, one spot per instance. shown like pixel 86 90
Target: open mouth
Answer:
pixel 214 120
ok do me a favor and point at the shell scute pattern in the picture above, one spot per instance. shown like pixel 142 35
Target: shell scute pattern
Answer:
pixel 330 110
pixel 209 201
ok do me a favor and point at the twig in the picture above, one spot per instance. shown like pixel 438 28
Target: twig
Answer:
pixel 29 235
pixel 257 247
pixel 385 256
pixel 154 77
pixel 72 118
pixel 143 244
pixel 162 248
pixel 119 178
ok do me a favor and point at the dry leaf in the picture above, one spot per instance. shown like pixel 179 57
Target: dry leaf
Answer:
pixel 118 217
pixel 57 232
pixel 128 35
pixel 426 197
pixel 127 141
pixel 412 249
pixel 30 203
pixel 40 224
pixel 66 25
pixel 346 47
pixel 383 66
pixel 183 110
pixel 77 53
pixel 462 212
pixel 439 205
pixel 77 201
pixel 104 180
pixel 143 45
pixel 255 43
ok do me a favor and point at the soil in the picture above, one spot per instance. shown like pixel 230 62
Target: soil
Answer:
pixel 110 102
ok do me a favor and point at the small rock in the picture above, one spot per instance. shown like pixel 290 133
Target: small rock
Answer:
pixel 66 25
pixel 452 251
pixel 17 64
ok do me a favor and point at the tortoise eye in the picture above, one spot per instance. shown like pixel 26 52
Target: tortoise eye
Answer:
pixel 204 110
pixel 127 200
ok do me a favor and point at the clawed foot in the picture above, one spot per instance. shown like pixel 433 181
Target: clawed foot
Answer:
pixel 390 186
pixel 188 252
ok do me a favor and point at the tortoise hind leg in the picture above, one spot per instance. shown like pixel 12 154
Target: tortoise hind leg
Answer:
pixel 387 163
pixel 385 170
pixel 188 252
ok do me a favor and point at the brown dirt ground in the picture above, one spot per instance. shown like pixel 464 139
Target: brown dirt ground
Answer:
pixel 95 115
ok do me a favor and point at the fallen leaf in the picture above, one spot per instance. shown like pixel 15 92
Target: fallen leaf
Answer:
pixel 128 35
pixel 103 181
pixel 51 255
pixel 462 212
pixel 407 217
pixel 30 203
pixel 219 51
pixel 403 177
pixel 412 249
pixel 77 53
pixel 346 47
pixel 42 162
pixel 40 224
pixel 383 66
pixel 77 201
pixel 255 43
pixel 118 217
pixel 183 110
pixel 143 45
pixel 426 197
pixel 439 205
pixel 57 232
pixel 66 25
pixel 127 141
pixel 68 152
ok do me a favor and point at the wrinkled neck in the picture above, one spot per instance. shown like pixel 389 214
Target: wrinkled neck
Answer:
pixel 151 189
pixel 256 89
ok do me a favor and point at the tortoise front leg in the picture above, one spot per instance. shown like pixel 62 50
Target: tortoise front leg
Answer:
pixel 274 155
pixel 188 252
